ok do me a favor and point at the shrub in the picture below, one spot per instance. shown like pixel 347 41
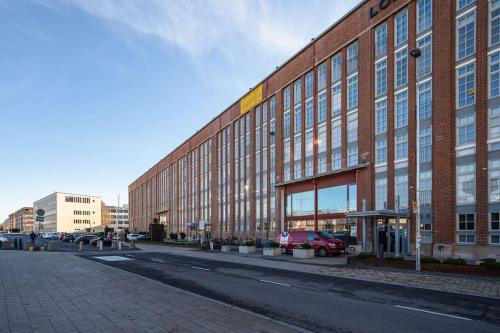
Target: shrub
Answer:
pixel 455 261
pixel 15 230
pixel 249 243
pixel 183 235
pixel 491 264
pixel 394 258
pixel 173 236
pixel 306 246
pixel 274 244
pixel 430 260
pixel 364 255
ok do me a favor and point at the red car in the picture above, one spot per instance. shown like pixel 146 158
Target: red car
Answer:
pixel 322 242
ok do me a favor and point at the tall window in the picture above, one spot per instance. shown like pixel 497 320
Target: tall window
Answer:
pixel 401 100
pixel 352 91
pixel 309 84
pixel 401 27
pixel 466 129
pixel 336 144
pixel 381 40
pixel 309 100
pixel 337 67
pixel 381 116
pixel 466 184
pixel 401 148
pixel 336 99
pixel 286 160
pixel 322 148
pixel 352 58
pixel 309 121
pixel 381 193
pixel 297 155
pixel 466 228
pixel 352 155
pixel 495 74
pixel 401 191
pixel 322 106
pixel 297 113
pixel 494 180
pixel 425 144
pixel 495 228
pixel 466 36
pixel 464 3
pixel 381 77
pixel 352 127
pixel 424 11
pixel 425 188
pixel 466 85
pixel 401 68
pixel 494 22
pixel 425 100
pixel 322 76
pixel 381 151
pixel 494 123
pixel 309 153
pixel 424 62
pixel 286 134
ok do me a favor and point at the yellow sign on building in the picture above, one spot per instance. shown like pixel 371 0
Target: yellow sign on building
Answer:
pixel 251 99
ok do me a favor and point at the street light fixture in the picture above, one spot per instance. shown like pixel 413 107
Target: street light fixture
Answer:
pixel 415 53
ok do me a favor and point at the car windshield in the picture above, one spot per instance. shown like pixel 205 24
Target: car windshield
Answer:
pixel 325 235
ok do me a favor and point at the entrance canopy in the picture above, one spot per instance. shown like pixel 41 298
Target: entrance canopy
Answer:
pixel 388 214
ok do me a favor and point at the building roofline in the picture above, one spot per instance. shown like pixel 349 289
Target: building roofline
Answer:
pixel 277 69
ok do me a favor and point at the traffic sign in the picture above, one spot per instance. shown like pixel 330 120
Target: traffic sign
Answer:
pixel 39 219
pixel 40 212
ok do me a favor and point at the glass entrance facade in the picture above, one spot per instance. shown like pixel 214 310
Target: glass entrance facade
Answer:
pixel 321 209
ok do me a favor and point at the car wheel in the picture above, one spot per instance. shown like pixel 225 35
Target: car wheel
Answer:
pixel 284 250
pixel 322 252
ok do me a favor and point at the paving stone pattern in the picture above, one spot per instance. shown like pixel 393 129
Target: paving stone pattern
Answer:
pixel 460 284
pixel 60 292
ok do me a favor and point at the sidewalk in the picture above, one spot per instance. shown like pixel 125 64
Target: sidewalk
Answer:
pixel 459 284
pixel 60 292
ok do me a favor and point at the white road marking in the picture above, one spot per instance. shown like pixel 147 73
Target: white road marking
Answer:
pixel 278 283
pixel 432 312
pixel 157 260
pixel 200 268
pixel 113 258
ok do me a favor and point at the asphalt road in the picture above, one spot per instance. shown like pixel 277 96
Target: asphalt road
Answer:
pixel 319 303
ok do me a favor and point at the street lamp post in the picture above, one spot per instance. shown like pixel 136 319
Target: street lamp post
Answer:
pixel 415 53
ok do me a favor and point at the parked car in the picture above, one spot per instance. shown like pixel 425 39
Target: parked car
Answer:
pixel 143 238
pixel 343 237
pixel 322 242
pixel 3 239
pixel 84 238
pixel 105 241
pixel 133 236
pixel 69 238
pixel 51 236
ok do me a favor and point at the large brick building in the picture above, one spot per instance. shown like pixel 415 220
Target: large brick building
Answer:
pixel 397 102
pixel 21 219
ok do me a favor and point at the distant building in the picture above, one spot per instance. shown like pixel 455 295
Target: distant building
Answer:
pixel 21 219
pixel 110 214
pixel 5 225
pixel 66 212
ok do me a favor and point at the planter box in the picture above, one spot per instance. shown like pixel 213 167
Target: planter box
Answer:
pixel 303 253
pixel 432 267
pixel 271 251
pixel 229 248
pixel 246 249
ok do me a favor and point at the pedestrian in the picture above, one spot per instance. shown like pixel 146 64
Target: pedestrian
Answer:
pixel 33 237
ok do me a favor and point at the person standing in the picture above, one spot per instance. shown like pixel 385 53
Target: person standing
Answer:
pixel 33 237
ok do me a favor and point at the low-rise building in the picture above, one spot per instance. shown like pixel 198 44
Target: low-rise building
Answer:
pixel 67 212
pixel 112 214
pixel 21 220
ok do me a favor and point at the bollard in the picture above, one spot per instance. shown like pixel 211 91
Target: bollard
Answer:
pixel 100 245
pixel 80 246
pixel 15 243
pixel 114 245
pixel 20 244
pixel 119 246
pixel 132 245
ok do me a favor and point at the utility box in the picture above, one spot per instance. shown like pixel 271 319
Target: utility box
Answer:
pixel 157 232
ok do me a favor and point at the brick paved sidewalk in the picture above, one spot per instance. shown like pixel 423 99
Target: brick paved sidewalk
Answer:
pixel 460 284
pixel 60 292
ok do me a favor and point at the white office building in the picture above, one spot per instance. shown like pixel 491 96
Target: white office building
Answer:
pixel 67 212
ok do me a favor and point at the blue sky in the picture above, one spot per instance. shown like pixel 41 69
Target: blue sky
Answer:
pixel 94 92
